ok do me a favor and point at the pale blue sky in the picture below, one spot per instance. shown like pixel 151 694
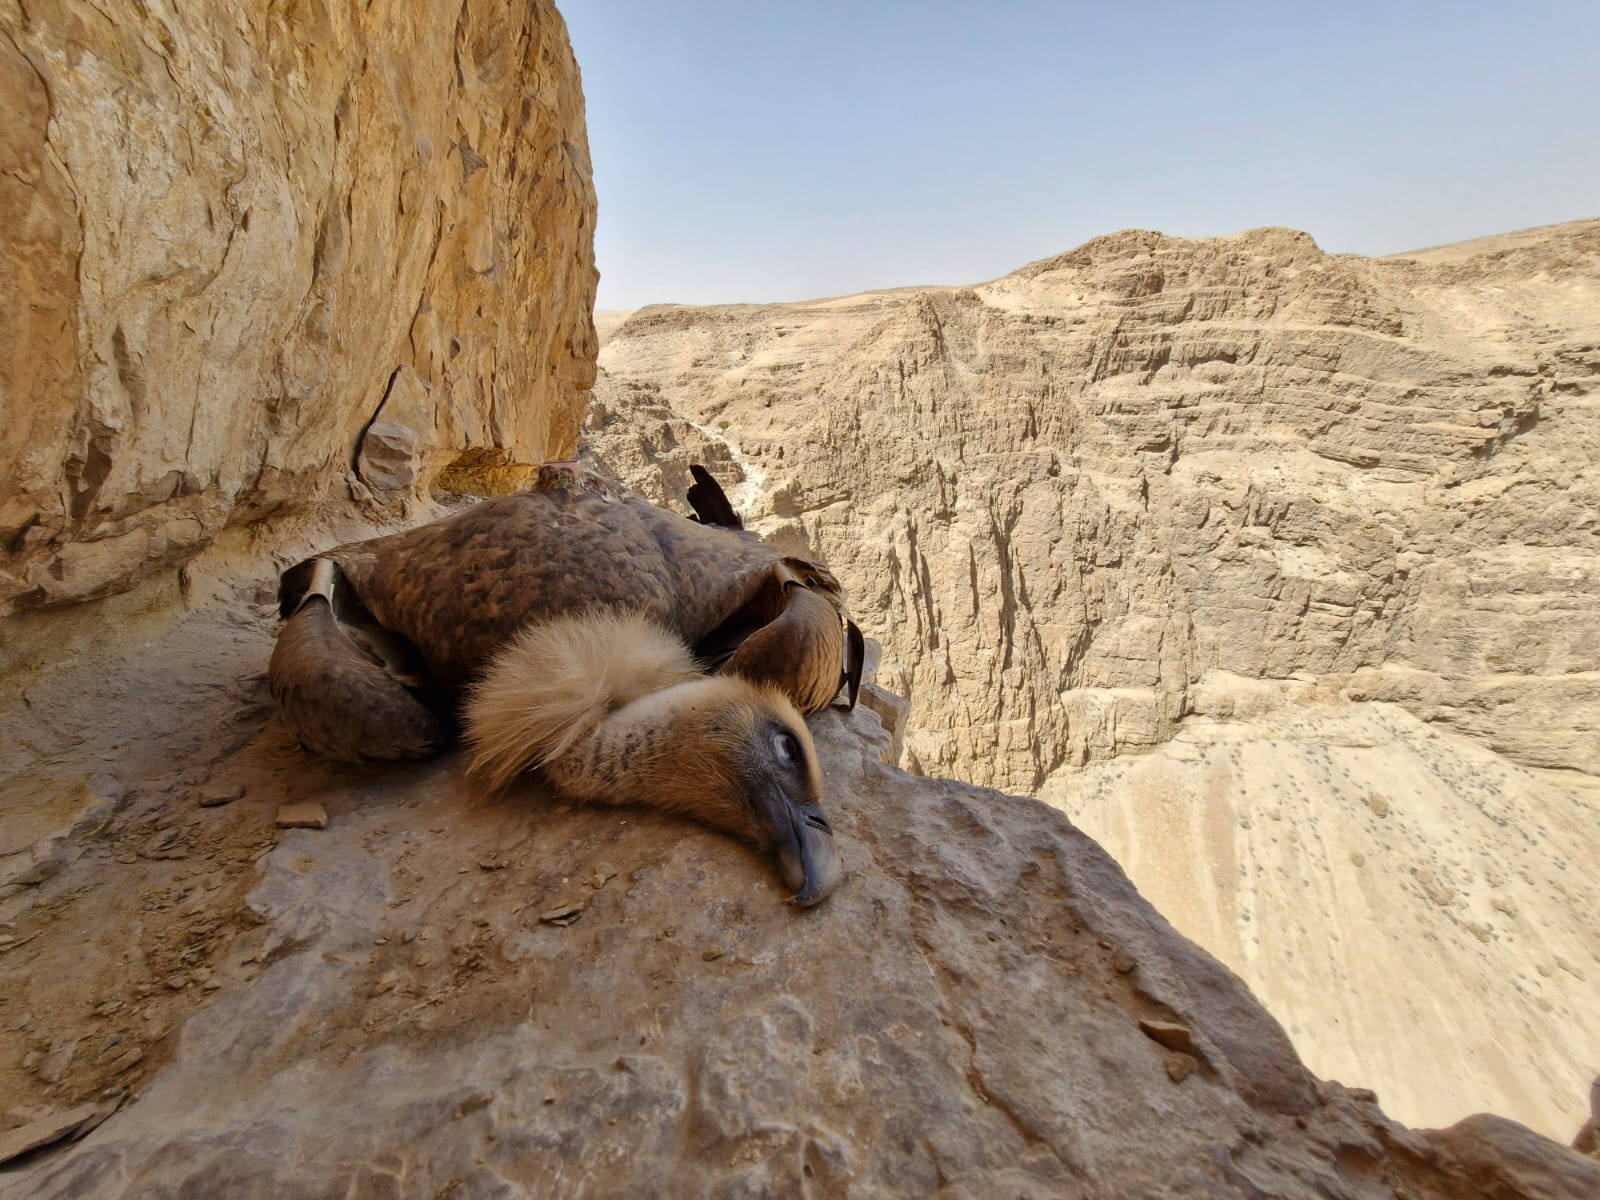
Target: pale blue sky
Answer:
pixel 765 150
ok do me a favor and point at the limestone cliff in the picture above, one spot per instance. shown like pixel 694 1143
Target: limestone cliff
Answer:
pixel 256 258
pixel 1223 488
pixel 1076 490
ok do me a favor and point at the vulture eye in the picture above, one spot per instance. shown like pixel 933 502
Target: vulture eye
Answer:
pixel 786 748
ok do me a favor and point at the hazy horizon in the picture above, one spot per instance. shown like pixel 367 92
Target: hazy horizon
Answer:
pixel 765 153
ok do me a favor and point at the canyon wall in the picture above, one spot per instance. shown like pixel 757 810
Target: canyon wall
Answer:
pixel 1065 497
pixel 257 259
pixel 1315 535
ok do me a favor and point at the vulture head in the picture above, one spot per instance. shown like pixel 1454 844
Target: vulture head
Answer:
pixel 609 707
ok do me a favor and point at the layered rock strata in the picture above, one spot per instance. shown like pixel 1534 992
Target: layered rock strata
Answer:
pixel 257 259
pixel 1073 491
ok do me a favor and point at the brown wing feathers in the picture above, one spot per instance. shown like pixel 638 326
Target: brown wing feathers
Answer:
pixel 345 698
pixel 459 589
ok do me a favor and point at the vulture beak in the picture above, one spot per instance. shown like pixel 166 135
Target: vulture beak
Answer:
pixel 801 842
pixel 807 858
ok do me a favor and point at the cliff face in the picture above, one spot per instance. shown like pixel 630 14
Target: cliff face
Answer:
pixel 1315 534
pixel 256 260
pixel 1064 497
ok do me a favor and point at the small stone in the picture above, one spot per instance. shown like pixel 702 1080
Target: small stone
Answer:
pixel 1378 803
pixel 55 1063
pixel 566 914
pixel 1180 1066
pixel 48 1130
pixel 424 959
pixel 218 794
pixel 1165 1033
pixel 474 1103
pixel 714 953
pixel 302 816
pixel 107 1008
pixel 127 860
pixel 1123 962
pixel 128 1058
pixel 177 982
pixel 385 982
pixel 31 1060
pixel 164 845
pixel 492 864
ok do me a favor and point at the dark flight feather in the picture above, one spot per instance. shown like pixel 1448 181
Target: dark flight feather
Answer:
pixel 710 503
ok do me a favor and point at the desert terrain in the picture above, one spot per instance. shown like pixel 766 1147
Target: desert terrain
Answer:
pixel 1187 532
pixel 1223 545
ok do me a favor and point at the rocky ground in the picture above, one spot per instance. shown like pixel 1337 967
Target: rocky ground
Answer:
pixel 444 994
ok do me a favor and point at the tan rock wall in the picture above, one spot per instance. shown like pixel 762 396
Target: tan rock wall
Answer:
pixel 1189 498
pixel 235 237
pixel 1062 497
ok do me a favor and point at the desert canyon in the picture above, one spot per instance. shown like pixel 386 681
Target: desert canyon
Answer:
pixel 1276 570
pixel 1273 572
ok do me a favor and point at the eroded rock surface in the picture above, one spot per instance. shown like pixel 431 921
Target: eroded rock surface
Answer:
pixel 1062 497
pixel 254 259
pixel 441 993
pixel 1329 522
